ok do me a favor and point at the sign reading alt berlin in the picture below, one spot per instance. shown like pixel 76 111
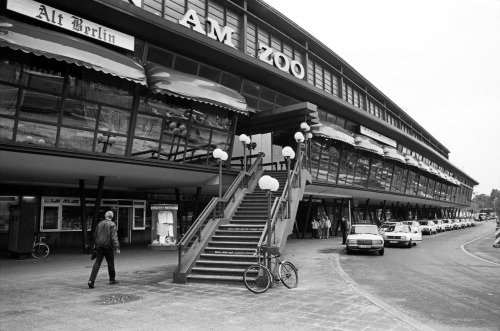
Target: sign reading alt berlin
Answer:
pixel 71 22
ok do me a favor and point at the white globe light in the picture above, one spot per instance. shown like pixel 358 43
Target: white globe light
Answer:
pixel 224 156
pixel 217 153
pixel 265 182
pixel 29 139
pixel 100 137
pixel 276 185
pixel 293 155
pixel 243 137
pixel 40 141
pixel 287 151
pixel 304 126
pixel 299 137
pixel 309 135
pixel 112 140
pixel 248 141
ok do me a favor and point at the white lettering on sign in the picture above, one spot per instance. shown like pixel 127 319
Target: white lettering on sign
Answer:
pixel 281 61
pixel 71 22
pixel 224 35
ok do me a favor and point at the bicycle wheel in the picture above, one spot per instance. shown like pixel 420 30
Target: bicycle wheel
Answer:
pixel 40 251
pixel 288 274
pixel 257 278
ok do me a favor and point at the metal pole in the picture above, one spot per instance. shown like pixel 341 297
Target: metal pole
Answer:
pixel 220 178
pixel 300 164
pixel 289 187
pixel 268 228
pixel 244 157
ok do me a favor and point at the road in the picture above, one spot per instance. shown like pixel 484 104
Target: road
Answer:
pixel 436 282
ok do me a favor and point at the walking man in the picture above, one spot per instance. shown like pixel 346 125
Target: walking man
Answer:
pixel 106 243
pixel 328 225
pixel 345 226
pixel 315 226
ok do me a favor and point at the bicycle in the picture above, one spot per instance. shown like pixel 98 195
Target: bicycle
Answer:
pixel 40 248
pixel 257 277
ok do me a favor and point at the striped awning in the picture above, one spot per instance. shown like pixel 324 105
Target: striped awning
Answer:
pixel 410 160
pixel 367 144
pixel 172 82
pixel 62 47
pixel 393 154
pixel 332 131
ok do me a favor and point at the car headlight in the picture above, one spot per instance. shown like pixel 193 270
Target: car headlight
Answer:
pixel 378 242
pixel 403 237
pixel 352 241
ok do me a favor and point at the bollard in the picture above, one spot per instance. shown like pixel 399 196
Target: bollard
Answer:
pixel 497 237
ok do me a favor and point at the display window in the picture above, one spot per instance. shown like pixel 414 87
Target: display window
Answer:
pixel 5 203
pixel 64 214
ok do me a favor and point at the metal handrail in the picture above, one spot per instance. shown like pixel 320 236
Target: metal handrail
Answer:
pixel 243 178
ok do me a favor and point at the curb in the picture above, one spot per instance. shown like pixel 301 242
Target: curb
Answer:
pixel 388 308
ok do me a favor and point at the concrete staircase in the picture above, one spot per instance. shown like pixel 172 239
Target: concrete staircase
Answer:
pixel 231 248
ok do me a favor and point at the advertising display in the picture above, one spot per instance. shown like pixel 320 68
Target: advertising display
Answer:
pixel 164 227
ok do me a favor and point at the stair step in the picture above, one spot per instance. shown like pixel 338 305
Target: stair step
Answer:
pixel 214 279
pixel 242 233
pixel 233 244
pixel 218 271
pixel 224 264
pixel 231 250
pixel 217 237
pixel 234 257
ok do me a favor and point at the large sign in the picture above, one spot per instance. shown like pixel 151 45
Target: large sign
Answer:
pixel 224 35
pixel 377 136
pixel 71 22
pixel 281 61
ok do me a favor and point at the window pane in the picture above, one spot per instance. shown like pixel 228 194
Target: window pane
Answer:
pixel 8 99
pixel 362 168
pixel 334 153
pixel 186 65
pixel 6 129
pixel 50 218
pixel 80 114
pixel 231 81
pixel 160 56
pixel 42 80
pixel 76 139
pixel 251 88
pixel 210 73
pixel 40 107
pixel 148 126
pixel 117 148
pixel 145 149
pixel 71 219
pixel 375 180
pixel 114 120
pixel 9 72
pixel 36 133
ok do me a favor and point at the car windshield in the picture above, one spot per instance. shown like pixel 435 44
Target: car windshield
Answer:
pixel 364 229
pixel 387 228
pixel 401 228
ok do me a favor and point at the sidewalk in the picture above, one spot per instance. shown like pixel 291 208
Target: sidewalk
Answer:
pixel 52 294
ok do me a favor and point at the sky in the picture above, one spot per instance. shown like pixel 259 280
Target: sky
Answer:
pixel 438 60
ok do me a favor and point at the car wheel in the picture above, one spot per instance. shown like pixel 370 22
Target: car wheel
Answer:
pixel 409 244
pixel 381 252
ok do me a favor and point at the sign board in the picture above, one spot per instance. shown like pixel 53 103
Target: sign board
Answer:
pixel 71 22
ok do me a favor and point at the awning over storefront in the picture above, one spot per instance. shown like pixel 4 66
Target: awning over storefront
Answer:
pixel 393 154
pixel 367 144
pixel 62 47
pixel 172 82
pixel 332 131
pixel 410 160
pixel 424 166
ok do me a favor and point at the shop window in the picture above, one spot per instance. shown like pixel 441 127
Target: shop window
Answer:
pixel 5 203
pixel 50 216
pixel 375 181
pixel 324 164
pixel 139 222
pixel 315 155
pixel 8 100
pixel 334 153
pixel 362 169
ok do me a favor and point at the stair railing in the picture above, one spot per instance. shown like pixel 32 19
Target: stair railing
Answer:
pixel 217 209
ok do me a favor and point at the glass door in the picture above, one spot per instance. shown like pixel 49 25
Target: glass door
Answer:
pixel 125 215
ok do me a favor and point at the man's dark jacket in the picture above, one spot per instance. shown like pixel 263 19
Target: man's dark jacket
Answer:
pixel 105 235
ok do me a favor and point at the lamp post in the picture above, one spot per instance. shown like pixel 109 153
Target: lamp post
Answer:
pixel 304 128
pixel 105 139
pixel 299 138
pixel 221 156
pixel 288 154
pixel 268 184
pixel 245 140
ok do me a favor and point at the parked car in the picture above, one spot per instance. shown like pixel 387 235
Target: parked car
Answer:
pixel 472 222
pixel 402 235
pixel 440 226
pixel 448 224
pixel 413 224
pixel 466 221
pixel 364 237
pixel 428 227
pixel 456 224
pixel 461 224
pixel 386 225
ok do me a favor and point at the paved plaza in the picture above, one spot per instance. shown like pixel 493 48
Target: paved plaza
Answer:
pixel 52 294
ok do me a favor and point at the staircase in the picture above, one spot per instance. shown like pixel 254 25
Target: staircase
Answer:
pixel 231 248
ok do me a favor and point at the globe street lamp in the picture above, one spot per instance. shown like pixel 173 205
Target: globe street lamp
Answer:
pixel 105 139
pixel 288 154
pixel 268 184
pixel 245 140
pixel 221 156
pixel 299 138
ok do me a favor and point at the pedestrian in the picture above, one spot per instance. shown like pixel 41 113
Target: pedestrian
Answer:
pixel 321 228
pixel 328 225
pixel 345 226
pixel 314 225
pixel 106 243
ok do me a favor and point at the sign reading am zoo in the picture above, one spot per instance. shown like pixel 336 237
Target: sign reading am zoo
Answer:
pixel 71 22
pixel 281 61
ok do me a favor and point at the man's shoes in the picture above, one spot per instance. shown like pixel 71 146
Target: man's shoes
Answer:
pixel 90 284
pixel 113 282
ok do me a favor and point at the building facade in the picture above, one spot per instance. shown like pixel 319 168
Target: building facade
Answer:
pixel 124 113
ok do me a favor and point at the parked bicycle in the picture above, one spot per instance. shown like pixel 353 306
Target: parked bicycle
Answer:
pixel 258 277
pixel 40 248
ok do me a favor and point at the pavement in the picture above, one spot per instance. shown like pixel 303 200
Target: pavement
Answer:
pixel 52 294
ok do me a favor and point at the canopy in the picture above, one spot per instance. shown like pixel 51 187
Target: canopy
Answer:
pixel 423 166
pixel 332 131
pixel 172 82
pixel 410 160
pixel 393 154
pixel 367 144
pixel 63 47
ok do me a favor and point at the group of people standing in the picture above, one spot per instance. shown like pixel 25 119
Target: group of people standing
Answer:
pixel 321 229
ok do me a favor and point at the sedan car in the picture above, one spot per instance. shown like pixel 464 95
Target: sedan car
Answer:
pixel 364 237
pixel 456 224
pixel 448 224
pixel 387 225
pixel 413 224
pixel 440 226
pixel 402 235
pixel 428 227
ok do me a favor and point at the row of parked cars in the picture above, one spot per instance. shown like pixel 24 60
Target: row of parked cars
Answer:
pixel 369 237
